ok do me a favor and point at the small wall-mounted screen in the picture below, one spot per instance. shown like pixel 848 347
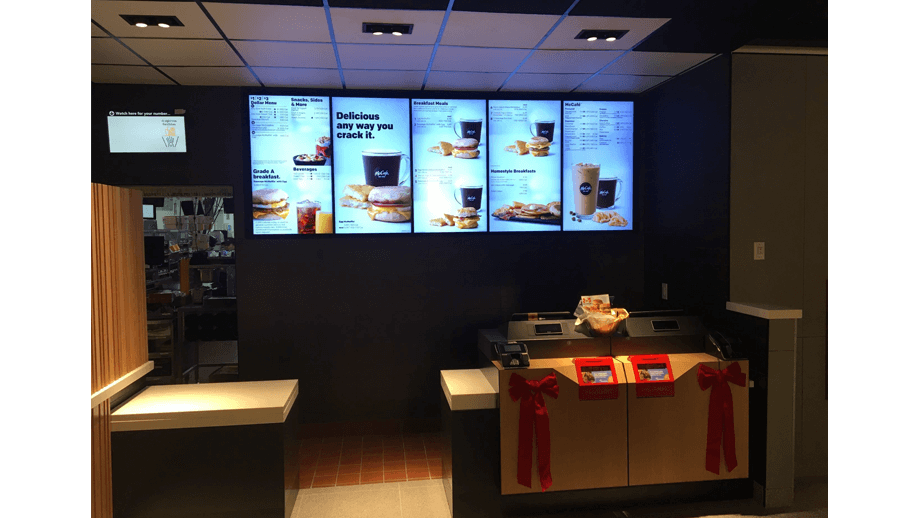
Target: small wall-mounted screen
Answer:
pixel 146 132
pixel 150 212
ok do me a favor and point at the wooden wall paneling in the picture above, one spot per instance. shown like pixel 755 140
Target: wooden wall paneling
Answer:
pixel 101 499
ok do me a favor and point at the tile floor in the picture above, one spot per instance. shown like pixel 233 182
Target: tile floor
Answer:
pixel 425 499
pixel 369 459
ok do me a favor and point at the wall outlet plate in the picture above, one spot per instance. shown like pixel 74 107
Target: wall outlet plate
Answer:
pixel 664 291
pixel 759 250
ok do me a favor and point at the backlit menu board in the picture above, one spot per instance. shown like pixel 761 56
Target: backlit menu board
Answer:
pixel 524 166
pixel 370 146
pixel 291 169
pixel 450 164
pixel 597 176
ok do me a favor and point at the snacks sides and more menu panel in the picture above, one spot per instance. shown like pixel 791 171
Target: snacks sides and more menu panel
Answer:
pixel 450 163
pixel 291 165
pixel 524 166
pixel 597 177
pixel 370 142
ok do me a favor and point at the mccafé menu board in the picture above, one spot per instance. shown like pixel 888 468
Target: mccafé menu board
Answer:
pixel 597 176
pixel 524 162
pixel 290 164
pixel 370 147
pixel 450 164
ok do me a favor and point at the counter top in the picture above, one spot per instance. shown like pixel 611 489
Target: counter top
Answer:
pixel 766 311
pixel 164 407
pixel 468 389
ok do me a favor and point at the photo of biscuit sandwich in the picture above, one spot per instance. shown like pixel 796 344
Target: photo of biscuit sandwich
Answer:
pixel 538 146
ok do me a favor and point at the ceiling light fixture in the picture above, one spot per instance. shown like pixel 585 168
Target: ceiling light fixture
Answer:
pixel 396 29
pixel 599 34
pixel 152 20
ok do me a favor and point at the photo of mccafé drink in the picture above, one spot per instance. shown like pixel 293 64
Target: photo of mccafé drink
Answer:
pixel 382 167
pixel 469 128
pixel 584 188
pixel 469 196
pixel 608 193
pixel 543 129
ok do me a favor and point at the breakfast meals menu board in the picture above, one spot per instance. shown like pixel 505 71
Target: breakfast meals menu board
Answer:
pixel 370 146
pixel 450 163
pixel 290 164
pixel 524 166
pixel 597 176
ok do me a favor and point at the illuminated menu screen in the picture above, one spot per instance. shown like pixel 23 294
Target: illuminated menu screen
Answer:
pixel 291 166
pixel 370 147
pixel 597 176
pixel 450 164
pixel 524 166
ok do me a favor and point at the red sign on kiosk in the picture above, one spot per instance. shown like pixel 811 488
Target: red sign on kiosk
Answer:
pixel 654 377
pixel 597 378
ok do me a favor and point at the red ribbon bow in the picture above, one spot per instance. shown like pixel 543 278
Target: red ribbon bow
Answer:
pixel 721 413
pixel 533 412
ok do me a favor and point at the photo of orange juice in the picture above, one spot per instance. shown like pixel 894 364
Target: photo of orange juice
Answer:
pixel 323 222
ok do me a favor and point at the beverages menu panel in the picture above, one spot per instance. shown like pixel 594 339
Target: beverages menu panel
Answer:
pixel 450 164
pixel 370 146
pixel 524 166
pixel 290 165
pixel 597 176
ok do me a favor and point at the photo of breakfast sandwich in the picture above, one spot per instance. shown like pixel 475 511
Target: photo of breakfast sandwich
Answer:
pixel 356 196
pixel 392 204
pixel 270 204
pixel 465 148
pixel 538 146
pixel 465 218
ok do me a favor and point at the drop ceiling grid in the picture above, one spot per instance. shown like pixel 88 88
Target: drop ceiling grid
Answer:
pixel 270 22
pixel 195 23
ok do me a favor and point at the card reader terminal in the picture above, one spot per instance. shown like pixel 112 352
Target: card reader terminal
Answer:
pixel 513 354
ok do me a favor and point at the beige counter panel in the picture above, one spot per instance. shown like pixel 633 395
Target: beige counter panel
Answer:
pixel 468 389
pixel 667 435
pixel 587 438
pixel 165 407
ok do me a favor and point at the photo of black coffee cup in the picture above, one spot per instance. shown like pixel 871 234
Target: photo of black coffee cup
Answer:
pixel 469 196
pixel 607 192
pixel 382 166
pixel 543 129
pixel 469 128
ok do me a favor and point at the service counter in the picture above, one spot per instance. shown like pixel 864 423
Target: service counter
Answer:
pixel 643 439
pixel 206 450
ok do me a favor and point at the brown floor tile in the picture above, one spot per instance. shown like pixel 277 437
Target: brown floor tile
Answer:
pixel 323 481
pixel 416 464
pixel 374 450
pixel 419 454
pixel 372 466
pixel 306 479
pixel 348 479
pixel 394 476
pixel 371 478
pixel 350 468
pixel 350 459
pixel 325 471
pixel 308 461
pixel 436 473
pixel 418 475
pixel 327 461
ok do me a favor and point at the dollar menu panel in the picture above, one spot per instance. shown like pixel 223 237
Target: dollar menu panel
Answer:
pixel 291 165
pixel 597 177
pixel 524 166
pixel 449 174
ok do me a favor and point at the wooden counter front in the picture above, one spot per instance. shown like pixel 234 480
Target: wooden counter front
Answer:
pixel 667 435
pixel 587 438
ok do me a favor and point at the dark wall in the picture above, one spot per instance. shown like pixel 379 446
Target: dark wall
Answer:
pixel 685 156
pixel 366 322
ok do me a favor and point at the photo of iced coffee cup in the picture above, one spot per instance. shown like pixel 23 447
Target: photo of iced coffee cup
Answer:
pixel 584 188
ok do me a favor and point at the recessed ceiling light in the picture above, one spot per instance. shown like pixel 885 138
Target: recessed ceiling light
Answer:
pixel 154 20
pixel 596 34
pixel 396 29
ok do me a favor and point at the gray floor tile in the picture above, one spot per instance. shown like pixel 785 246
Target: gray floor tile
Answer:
pixel 424 501
pixel 348 502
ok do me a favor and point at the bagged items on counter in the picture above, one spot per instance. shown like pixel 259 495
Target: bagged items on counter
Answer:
pixel 596 311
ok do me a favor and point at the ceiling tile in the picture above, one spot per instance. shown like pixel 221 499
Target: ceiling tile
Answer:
pixel 625 84
pixel 211 76
pixel 469 59
pixel 569 61
pixel 520 31
pixel 109 52
pixel 544 82
pixel 347 25
pixel 97 31
pixel 196 24
pixel 385 57
pixel 656 63
pixel 128 75
pixel 488 81
pixel 384 79
pixel 299 77
pixel 185 52
pixel 270 22
pixel 564 35
pixel 286 54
